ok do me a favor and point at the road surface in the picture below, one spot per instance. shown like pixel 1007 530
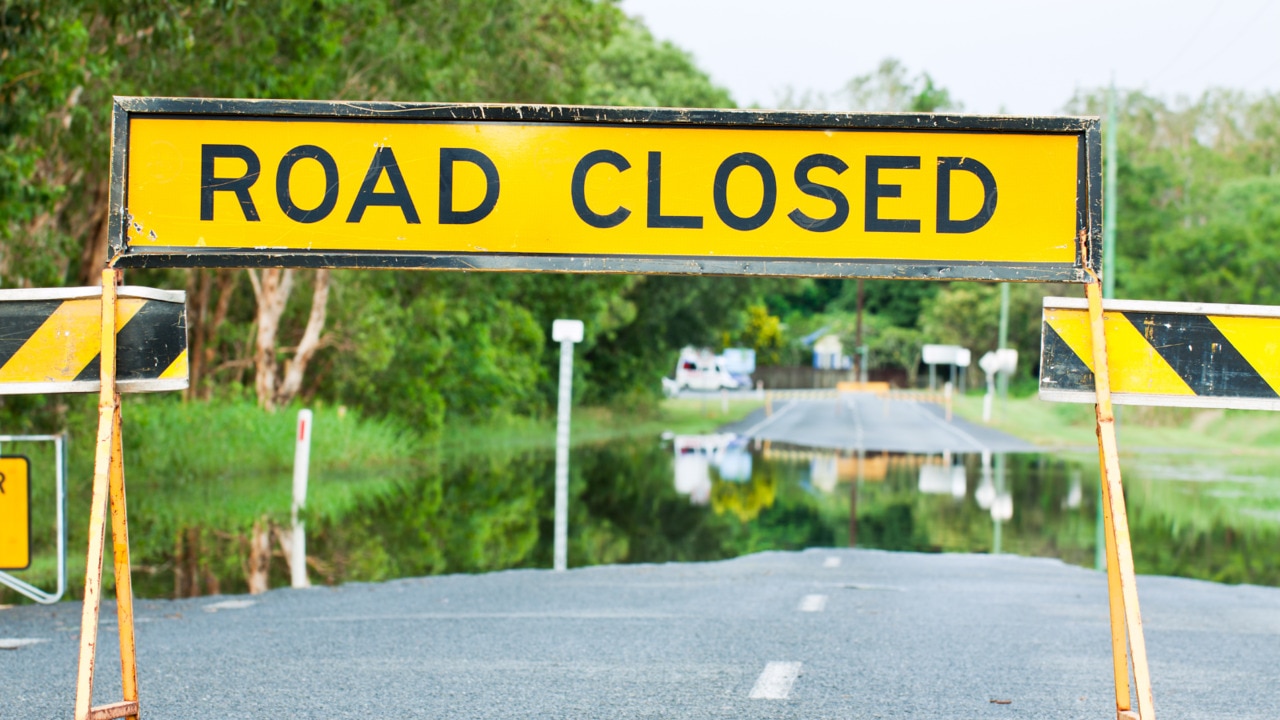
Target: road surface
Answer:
pixel 858 421
pixel 814 634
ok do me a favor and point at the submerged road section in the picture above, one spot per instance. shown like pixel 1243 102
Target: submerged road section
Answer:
pixel 863 421
pixel 814 634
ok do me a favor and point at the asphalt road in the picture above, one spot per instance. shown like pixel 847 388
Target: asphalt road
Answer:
pixel 873 423
pixel 815 634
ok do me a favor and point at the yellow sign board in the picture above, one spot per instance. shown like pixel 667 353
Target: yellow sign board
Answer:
pixel 15 513
pixel 617 190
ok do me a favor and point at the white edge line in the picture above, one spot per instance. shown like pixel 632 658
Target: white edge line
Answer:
pixel 492 616
pixel 1187 401
pixel 770 419
pixel 957 432
pixel 138 291
pixel 775 681
pixel 73 293
pixel 19 643
pixel 1181 308
pixel 813 603
pixel 93 386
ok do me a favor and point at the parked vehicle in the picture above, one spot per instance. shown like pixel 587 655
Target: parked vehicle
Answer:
pixel 700 370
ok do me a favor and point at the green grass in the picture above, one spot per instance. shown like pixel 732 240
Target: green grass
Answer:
pixel 1056 426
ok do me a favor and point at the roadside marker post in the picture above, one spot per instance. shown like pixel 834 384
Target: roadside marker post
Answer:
pixel 567 333
pixel 538 188
pixel 298 534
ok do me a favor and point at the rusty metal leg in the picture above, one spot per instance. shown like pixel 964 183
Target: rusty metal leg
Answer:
pixel 124 580
pixel 108 480
pixel 1118 521
pixel 108 404
pixel 93 566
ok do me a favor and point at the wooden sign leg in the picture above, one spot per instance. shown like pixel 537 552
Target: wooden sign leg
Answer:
pixel 1121 578
pixel 107 467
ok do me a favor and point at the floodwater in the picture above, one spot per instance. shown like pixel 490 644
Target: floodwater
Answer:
pixel 710 497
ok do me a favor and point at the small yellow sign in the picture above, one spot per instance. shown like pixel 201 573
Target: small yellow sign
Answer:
pixel 970 200
pixel 15 513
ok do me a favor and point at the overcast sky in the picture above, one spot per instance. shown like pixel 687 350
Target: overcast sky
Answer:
pixel 1023 57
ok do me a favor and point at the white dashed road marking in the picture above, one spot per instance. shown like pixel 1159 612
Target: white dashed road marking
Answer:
pixel 18 643
pixel 831 562
pixel 776 681
pixel 229 605
pixel 813 603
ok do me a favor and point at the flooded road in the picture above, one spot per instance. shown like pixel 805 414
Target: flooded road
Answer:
pixel 711 497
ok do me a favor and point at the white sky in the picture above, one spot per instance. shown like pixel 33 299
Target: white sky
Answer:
pixel 1022 57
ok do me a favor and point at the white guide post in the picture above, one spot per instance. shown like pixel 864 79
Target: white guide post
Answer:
pixel 301 465
pixel 565 332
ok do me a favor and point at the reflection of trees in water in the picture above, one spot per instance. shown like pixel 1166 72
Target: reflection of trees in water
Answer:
pixel 465 517
pixel 746 499
pixel 495 511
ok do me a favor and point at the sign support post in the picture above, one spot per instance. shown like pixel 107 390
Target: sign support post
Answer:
pixel 108 489
pixel 1122 590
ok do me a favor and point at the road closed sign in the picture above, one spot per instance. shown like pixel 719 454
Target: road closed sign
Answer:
pixel 572 189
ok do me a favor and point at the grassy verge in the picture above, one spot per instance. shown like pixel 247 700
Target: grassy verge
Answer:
pixel 1071 426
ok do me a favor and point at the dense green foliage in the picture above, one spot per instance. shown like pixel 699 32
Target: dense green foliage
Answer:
pixel 420 346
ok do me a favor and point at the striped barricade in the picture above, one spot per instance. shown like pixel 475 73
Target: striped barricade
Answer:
pixel 1163 353
pixel 50 340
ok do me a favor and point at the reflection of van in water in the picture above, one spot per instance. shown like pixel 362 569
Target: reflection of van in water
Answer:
pixel 700 370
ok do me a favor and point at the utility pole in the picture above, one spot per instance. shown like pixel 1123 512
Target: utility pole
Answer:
pixel 1109 203
pixel 857 339
pixel 1003 378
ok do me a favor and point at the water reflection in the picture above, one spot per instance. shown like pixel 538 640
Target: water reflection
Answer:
pixel 695 455
pixel 709 497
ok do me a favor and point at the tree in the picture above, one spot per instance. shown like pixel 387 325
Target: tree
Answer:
pixel 1174 161
pixel 890 89
pixel 1231 257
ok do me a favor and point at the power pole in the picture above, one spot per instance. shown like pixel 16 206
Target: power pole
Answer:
pixel 1003 377
pixel 857 339
pixel 1109 203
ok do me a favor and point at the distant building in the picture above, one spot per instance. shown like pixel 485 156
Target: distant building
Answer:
pixel 828 354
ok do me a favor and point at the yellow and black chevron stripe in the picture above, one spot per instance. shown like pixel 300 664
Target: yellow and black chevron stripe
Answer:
pixel 50 340
pixel 1158 353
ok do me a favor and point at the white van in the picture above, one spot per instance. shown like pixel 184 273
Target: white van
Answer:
pixel 699 370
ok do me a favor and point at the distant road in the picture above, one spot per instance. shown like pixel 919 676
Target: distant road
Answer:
pixel 808 635
pixel 858 421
